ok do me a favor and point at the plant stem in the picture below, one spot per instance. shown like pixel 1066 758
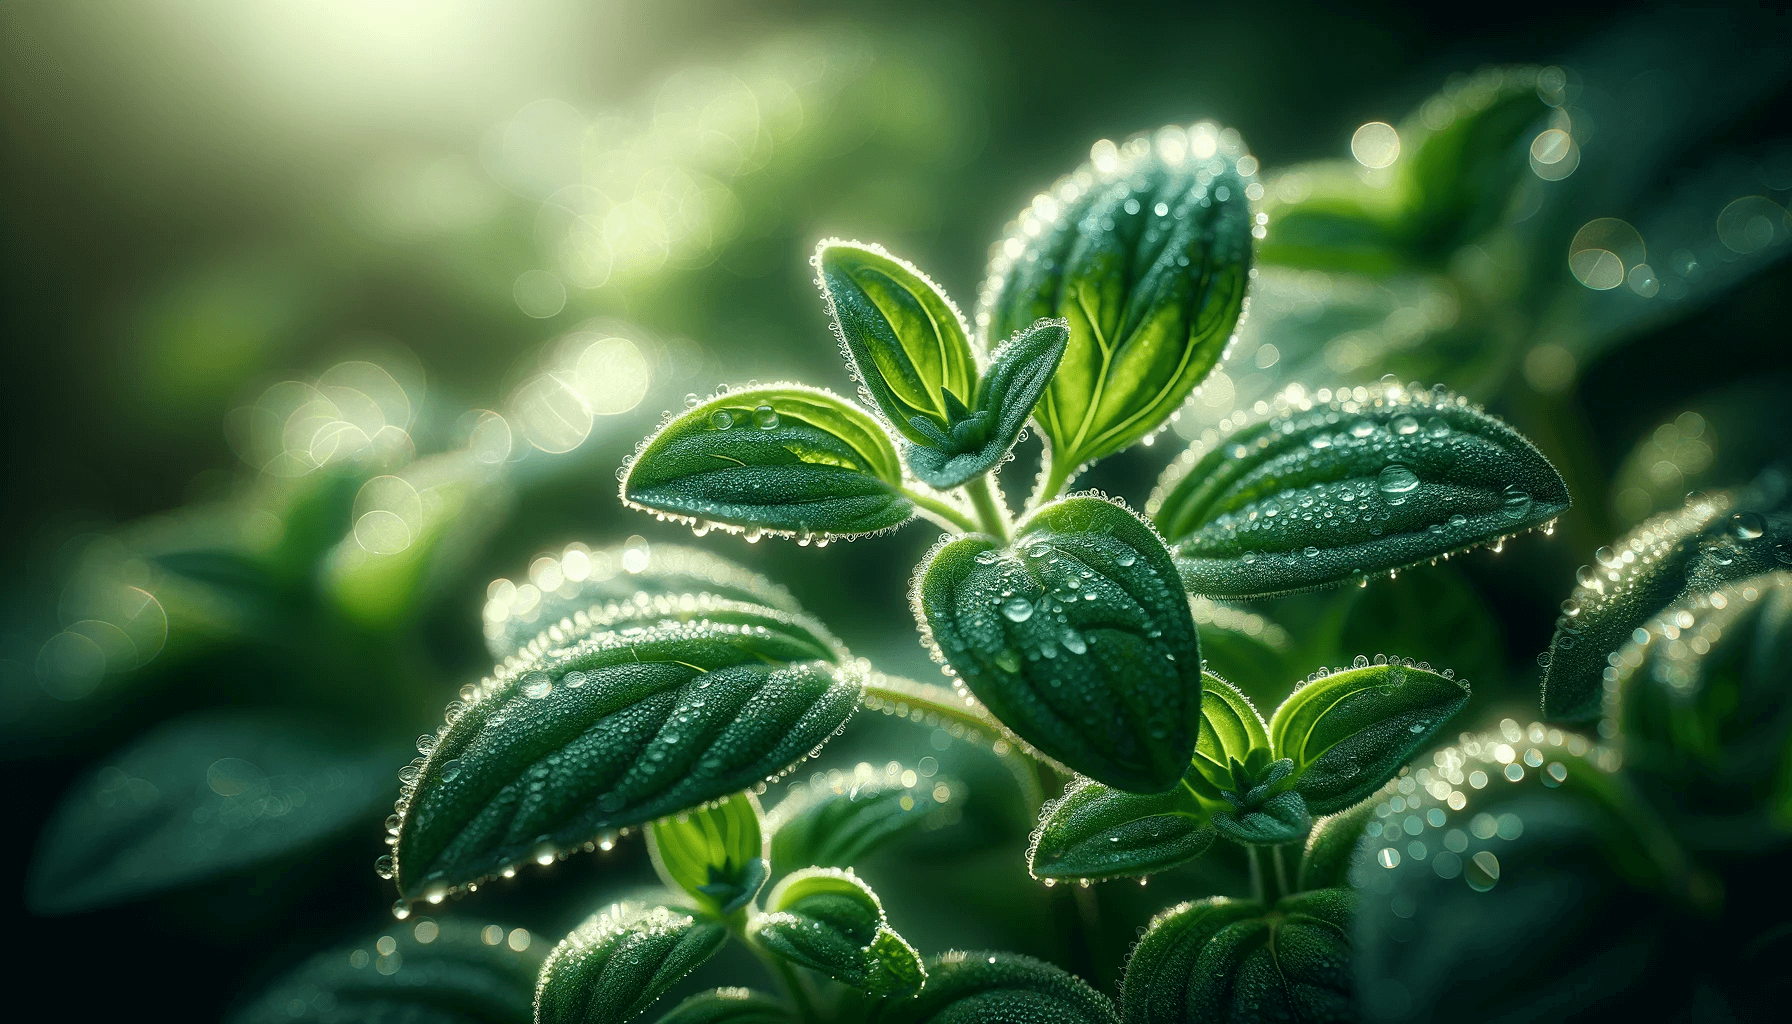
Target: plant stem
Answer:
pixel 797 990
pixel 1269 880
pixel 992 511
pixel 885 693
pixel 941 513
pixel 1052 483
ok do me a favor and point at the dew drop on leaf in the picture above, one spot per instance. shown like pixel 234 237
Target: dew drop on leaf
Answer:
pixel 765 418
pixel 1396 480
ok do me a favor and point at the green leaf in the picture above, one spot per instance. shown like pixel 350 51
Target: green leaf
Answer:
pixel 999 988
pixel 1715 539
pixel 1245 648
pixel 827 920
pixel 612 967
pixel 659 708
pixel 1282 818
pixel 1233 750
pixel 902 336
pixel 786 459
pixel 1323 216
pixel 715 853
pixel 729 1006
pixel 1077 637
pixel 198 797
pixel 1093 831
pixel 1318 493
pixel 1350 731
pixel 1331 846
pixel 424 971
pixel 821 827
pixel 1018 374
pixel 565 591
pixel 1146 253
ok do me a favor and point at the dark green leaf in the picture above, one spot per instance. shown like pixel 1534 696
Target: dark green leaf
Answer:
pixel 729 1006
pixel 1146 252
pixel 827 920
pixel 588 581
pixel 1322 492
pixel 612 967
pixel 1331 846
pixel 1093 831
pixel 1018 374
pixel 1077 636
pixel 1229 960
pixel 822 827
pixel 902 336
pixel 999 988
pixel 1282 818
pixel 661 707
pixel 1715 539
pixel 423 971
pixel 785 459
pixel 714 853
pixel 1350 731
pixel 199 797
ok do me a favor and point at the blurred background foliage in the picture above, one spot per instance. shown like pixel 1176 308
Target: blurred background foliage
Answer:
pixel 321 317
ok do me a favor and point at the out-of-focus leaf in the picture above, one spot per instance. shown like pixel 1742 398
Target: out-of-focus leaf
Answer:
pixel 1318 493
pixel 1432 612
pixel 1077 637
pixel 729 1006
pixel 1350 731
pixel 1715 539
pixel 998 988
pixel 423 971
pixel 785 459
pixel 819 827
pixel 198 797
pixel 616 964
pixel 1093 831
pixel 1244 648
pixel 666 705
pixel 979 439
pixel 827 920
pixel 1145 251
pixel 714 853
pixel 1331 845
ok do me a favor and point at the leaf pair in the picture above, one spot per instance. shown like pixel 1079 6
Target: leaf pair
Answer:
pixel 1331 743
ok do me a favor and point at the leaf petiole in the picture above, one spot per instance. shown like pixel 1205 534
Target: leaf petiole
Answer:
pixel 992 511
pixel 940 512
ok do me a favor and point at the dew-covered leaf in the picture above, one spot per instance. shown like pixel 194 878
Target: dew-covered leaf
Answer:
pixel 1350 731
pixel 818 826
pixel 1077 637
pixel 198 797
pixel 423 971
pixel 1317 493
pixel 1093 831
pixel 998 988
pixel 664 706
pixel 902 336
pixel 1234 748
pixel 1713 540
pixel 785 459
pixel 1325 863
pixel 714 853
pixel 1278 819
pixel 1230 960
pixel 977 440
pixel 827 920
pixel 616 964
pixel 1145 251
pixel 729 1006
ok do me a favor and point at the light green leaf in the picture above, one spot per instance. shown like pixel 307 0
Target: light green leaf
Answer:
pixel 1234 749
pixel 818 827
pixel 422 971
pixel 715 853
pixel 616 964
pixel 1077 637
pixel 1093 831
pixel 785 459
pixel 998 988
pixel 199 797
pixel 902 336
pixel 1146 252
pixel 729 1006
pixel 827 920
pixel 1318 493
pixel 1323 216
pixel 1331 846
pixel 978 441
pixel 659 708
pixel 1350 731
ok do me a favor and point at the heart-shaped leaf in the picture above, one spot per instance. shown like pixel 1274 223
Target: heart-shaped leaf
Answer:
pixel 715 853
pixel 998 988
pixel 425 971
pixel 1319 492
pixel 786 459
pixel 1229 960
pixel 827 920
pixel 1145 251
pixel 1713 540
pixel 1349 731
pixel 1017 376
pixel 616 964
pixel 1331 847
pixel 1093 831
pixel 1077 637
pixel 816 826
pixel 902 336
pixel 661 707
pixel 729 1006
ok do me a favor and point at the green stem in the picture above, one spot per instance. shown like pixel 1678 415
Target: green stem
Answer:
pixel 1269 879
pixel 1052 484
pixel 992 511
pixel 780 969
pixel 890 693
pixel 940 512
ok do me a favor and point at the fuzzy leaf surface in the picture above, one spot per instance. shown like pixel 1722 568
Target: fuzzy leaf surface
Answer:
pixel 715 853
pixel 1282 818
pixel 786 458
pixel 729 1006
pixel 1094 831
pixel 1077 637
pixel 1331 846
pixel 1017 376
pixel 827 920
pixel 616 964
pixel 1317 494
pixel 998 988
pixel 668 705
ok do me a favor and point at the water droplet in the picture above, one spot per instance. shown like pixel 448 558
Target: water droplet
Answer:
pixel 1320 442
pixel 1482 871
pixel 1362 428
pixel 1388 857
pixel 989 557
pixel 537 685
pixel 765 418
pixel 721 419
pixel 1073 642
pixel 1311 551
pixel 1458 520
pixel 426 743
pixel 1404 424
pixel 1783 552
pixel 1747 525
pixel 450 769
pixel 385 867
pixel 1018 609
pixel 1126 558
pixel 1395 482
